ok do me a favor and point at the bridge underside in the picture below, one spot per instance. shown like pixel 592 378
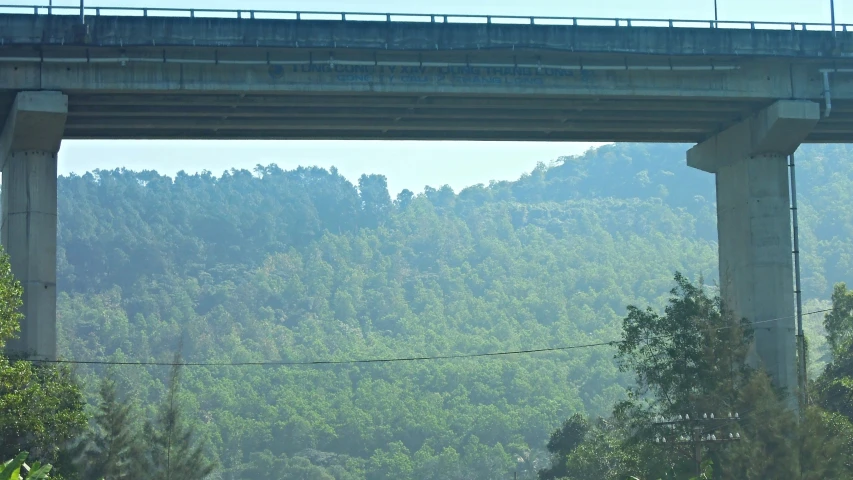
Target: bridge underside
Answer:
pixel 415 117
pixel 196 78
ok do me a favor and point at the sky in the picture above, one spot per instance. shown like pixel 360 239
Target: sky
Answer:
pixel 409 165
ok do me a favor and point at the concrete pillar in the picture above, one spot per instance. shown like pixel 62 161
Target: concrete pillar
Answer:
pixel 29 144
pixel 754 227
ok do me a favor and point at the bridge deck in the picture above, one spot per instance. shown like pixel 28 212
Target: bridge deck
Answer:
pixel 161 77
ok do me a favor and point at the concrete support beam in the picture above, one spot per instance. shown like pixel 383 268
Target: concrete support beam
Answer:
pixel 29 145
pixel 754 227
pixel 778 129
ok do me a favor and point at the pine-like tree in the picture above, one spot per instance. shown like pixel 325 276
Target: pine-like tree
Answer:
pixel 110 448
pixel 173 452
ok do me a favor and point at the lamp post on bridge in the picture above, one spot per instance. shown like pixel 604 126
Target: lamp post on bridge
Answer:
pixel 832 13
pixel 715 14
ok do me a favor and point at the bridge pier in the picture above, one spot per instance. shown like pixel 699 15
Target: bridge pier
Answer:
pixel 29 144
pixel 754 227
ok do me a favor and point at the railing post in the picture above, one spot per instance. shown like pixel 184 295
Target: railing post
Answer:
pixel 489 19
pixel 344 17
pixel 298 16
pixel 97 12
pixel 670 24
pixel 445 19
pixel 252 14
pixel 532 20
pixel 192 13
pixel 793 27
pixel 144 12
pixel 752 25
pixel 629 22
pixel 387 17
pixel 432 18
pixel 574 22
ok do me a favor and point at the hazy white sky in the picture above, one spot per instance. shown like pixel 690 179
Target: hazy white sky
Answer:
pixel 406 164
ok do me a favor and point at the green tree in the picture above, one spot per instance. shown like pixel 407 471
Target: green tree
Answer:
pixel 775 443
pixel 393 463
pixel 10 302
pixel 404 199
pixel 692 361
pixel 604 454
pixel 375 199
pixel 826 440
pixel 769 435
pixel 41 406
pixel 562 443
pixel 835 385
pixel 839 323
pixel 689 361
pixel 173 451
pixel 111 447
pixel 834 388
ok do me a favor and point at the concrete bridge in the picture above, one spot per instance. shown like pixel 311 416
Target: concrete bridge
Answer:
pixel 746 96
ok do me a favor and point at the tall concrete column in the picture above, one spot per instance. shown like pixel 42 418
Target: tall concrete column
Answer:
pixel 754 227
pixel 29 144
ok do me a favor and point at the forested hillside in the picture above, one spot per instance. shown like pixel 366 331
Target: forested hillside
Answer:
pixel 299 266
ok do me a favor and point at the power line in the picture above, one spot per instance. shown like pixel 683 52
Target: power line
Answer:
pixel 782 318
pixel 330 362
pixel 371 360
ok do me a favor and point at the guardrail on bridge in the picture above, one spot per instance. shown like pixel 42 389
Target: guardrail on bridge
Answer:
pixel 415 17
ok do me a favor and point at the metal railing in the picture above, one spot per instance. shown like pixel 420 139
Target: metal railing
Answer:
pixel 415 17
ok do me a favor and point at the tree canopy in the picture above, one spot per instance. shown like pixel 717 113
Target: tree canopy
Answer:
pixel 304 265
pixel 41 406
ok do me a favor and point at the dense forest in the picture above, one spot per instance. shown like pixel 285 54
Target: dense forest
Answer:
pixel 288 267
